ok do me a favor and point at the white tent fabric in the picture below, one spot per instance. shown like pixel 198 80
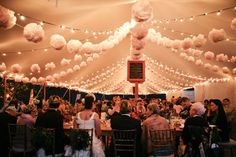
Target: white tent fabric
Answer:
pixel 167 70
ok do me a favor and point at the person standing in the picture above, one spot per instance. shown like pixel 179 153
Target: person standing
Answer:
pixel 216 116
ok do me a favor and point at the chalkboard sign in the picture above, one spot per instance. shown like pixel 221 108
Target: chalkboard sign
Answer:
pixel 136 71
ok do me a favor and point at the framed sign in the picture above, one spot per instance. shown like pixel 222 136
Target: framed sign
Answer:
pixel 136 71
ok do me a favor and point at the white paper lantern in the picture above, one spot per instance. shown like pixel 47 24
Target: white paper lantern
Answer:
pixel 199 62
pixel 18 79
pixel 33 80
pixel 76 68
pixel 187 43
pixel 35 68
pixel 3 67
pixel 221 58
pixel 25 80
pixel 216 35
pixel 225 70
pixel 142 11
pixel 65 62
pixel 87 48
pixel 16 68
pixel 56 76
pixel 89 59
pixel 234 71
pixel 83 64
pixel 199 41
pixel 7 18
pixel 77 58
pixel 209 55
pixel 137 44
pixel 95 55
pixel 207 66
pixel 197 53
pixel 73 46
pixel 69 71
pixel 215 68
pixel 233 24
pixel 57 41
pixel 49 78
pixel 50 66
pixel 63 74
pixel 191 59
pixel 139 31
pixel 41 79
pixel 33 32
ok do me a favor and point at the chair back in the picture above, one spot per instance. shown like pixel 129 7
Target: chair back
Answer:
pixel 124 141
pixel 44 138
pixel 163 142
pixel 77 137
pixel 20 138
pixel 198 134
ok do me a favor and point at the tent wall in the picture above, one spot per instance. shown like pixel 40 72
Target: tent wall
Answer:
pixel 216 90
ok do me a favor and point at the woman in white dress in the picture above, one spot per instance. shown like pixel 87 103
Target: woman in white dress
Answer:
pixel 88 119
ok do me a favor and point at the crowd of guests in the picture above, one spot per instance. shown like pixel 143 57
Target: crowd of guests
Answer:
pixel 138 114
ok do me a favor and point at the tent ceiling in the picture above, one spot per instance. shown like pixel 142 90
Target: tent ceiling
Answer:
pixel 106 15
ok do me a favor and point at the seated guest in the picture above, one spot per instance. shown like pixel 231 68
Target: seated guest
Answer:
pixel 123 121
pixel 87 119
pixel 26 118
pixel 79 106
pixel 230 112
pixel 216 116
pixel 140 109
pixel 53 119
pixel 197 122
pixel 115 109
pixel 177 104
pixel 186 104
pixel 154 120
pixel 9 116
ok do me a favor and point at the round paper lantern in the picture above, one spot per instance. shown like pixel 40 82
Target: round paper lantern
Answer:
pixel 33 32
pixel 57 41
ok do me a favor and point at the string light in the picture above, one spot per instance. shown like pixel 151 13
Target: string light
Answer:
pixel 43 22
pixel 22 17
pixel 181 19
pixel 186 33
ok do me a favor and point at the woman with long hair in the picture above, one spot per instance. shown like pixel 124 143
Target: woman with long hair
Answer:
pixel 216 116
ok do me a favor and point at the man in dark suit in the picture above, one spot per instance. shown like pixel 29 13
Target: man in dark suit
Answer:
pixel 195 129
pixel 53 119
pixel 123 121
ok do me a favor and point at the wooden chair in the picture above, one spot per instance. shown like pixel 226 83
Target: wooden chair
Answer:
pixel 20 139
pixel 44 138
pixel 124 142
pixel 75 139
pixel 229 148
pixel 163 142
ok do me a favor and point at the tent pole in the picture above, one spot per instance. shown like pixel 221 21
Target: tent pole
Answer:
pixel 44 91
pixel 136 90
pixel 5 90
pixel 69 95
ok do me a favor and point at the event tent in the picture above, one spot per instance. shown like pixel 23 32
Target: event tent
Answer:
pixel 173 61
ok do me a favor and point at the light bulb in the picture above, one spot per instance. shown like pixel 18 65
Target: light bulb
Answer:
pixel 22 17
